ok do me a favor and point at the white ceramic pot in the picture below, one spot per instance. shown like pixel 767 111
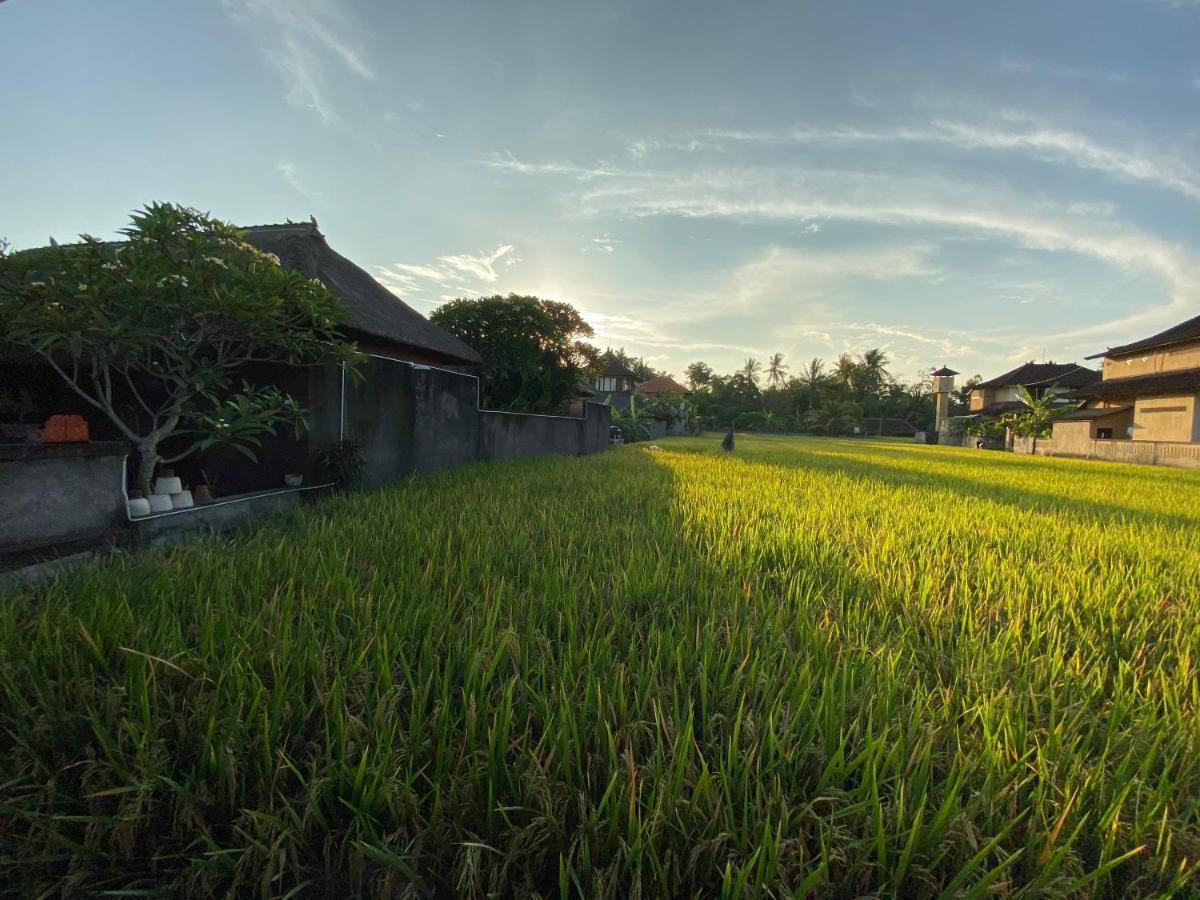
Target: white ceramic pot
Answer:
pixel 139 506
pixel 168 486
pixel 182 500
pixel 160 503
pixel 293 481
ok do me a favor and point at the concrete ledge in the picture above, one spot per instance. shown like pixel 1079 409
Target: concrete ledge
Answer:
pixel 227 512
pixel 81 450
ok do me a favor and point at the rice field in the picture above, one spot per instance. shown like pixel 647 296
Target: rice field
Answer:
pixel 814 667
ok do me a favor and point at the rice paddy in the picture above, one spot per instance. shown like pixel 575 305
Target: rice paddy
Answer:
pixel 813 667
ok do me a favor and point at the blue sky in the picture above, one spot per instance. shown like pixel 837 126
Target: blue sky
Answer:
pixel 962 183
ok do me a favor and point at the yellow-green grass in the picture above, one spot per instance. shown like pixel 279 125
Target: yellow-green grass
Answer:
pixel 811 666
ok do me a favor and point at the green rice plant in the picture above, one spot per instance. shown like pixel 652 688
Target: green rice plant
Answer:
pixel 812 667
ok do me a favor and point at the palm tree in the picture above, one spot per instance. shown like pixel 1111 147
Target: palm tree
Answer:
pixel 698 374
pixel 845 371
pixel 872 370
pixel 751 370
pixel 811 377
pixel 776 370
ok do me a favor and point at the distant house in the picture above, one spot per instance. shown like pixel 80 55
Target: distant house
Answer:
pixel 616 383
pixel 1148 392
pixel 662 384
pixel 997 396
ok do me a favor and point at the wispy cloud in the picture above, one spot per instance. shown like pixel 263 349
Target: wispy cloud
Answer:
pixel 1041 69
pixel 1044 143
pixel 462 274
pixel 301 38
pixel 480 265
pixel 506 162
pixel 291 174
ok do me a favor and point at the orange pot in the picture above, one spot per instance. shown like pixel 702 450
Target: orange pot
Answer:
pixel 65 430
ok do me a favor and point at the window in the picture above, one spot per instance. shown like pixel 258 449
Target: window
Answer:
pixel 1104 434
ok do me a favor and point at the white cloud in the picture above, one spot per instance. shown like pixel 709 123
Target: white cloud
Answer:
pixel 1055 70
pixel 1043 143
pixel 300 37
pixel 480 265
pixel 506 162
pixel 462 273
pixel 291 174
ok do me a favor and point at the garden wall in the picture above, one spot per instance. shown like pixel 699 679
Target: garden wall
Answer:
pixel 59 493
pixel 1154 453
pixel 409 418
pixel 414 418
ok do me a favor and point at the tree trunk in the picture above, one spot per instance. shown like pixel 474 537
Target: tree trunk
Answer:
pixel 148 456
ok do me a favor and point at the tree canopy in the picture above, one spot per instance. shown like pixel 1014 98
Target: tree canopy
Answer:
pixel 153 331
pixel 533 353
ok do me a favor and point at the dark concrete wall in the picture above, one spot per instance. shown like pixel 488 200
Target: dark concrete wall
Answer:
pixel 60 492
pixel 412 418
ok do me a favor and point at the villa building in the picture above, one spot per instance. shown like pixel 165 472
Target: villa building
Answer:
pixel 1148 395
pixel 1002 394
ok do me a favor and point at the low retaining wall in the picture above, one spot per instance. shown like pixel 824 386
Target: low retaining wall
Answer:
pixel 60 493
pixel 1153 453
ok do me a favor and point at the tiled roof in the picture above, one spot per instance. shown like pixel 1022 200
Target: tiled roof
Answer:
pixel 1182 380
pixel 662 384
pixel 614 368
pixel 1068 375
pixel 1184 331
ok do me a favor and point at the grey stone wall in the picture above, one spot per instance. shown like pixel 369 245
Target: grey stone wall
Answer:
pixel 60 492
pixel 414 418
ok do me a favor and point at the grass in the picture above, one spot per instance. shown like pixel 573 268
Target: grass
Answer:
pixel 815 667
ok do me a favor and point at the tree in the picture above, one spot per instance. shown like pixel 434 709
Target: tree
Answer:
pixel 811 377
pixel 699 374
pixel 1037 418
pixel 776 371
pixel 642 371
pixel 835 417
pixel 872 373
pixel 845 372
pixel 152 332
pixel 634 421
pixel 750 369
pixel 533 355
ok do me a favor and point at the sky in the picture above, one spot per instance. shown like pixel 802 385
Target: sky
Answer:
pixel 968 184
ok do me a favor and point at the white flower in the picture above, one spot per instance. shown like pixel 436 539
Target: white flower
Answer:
pixel 216 261
pixel 109 267
pixel 178 279
pixel 272 258
pixel 83 287
pixel 37 284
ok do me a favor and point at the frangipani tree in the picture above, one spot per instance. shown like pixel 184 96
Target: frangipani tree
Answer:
pixel 153 331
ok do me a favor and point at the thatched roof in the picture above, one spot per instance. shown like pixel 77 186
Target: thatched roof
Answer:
pixel 372 309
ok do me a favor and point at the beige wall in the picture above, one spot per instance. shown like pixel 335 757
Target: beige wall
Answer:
pixel 1166 359
pixel 1074 436
pixel 1165 418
